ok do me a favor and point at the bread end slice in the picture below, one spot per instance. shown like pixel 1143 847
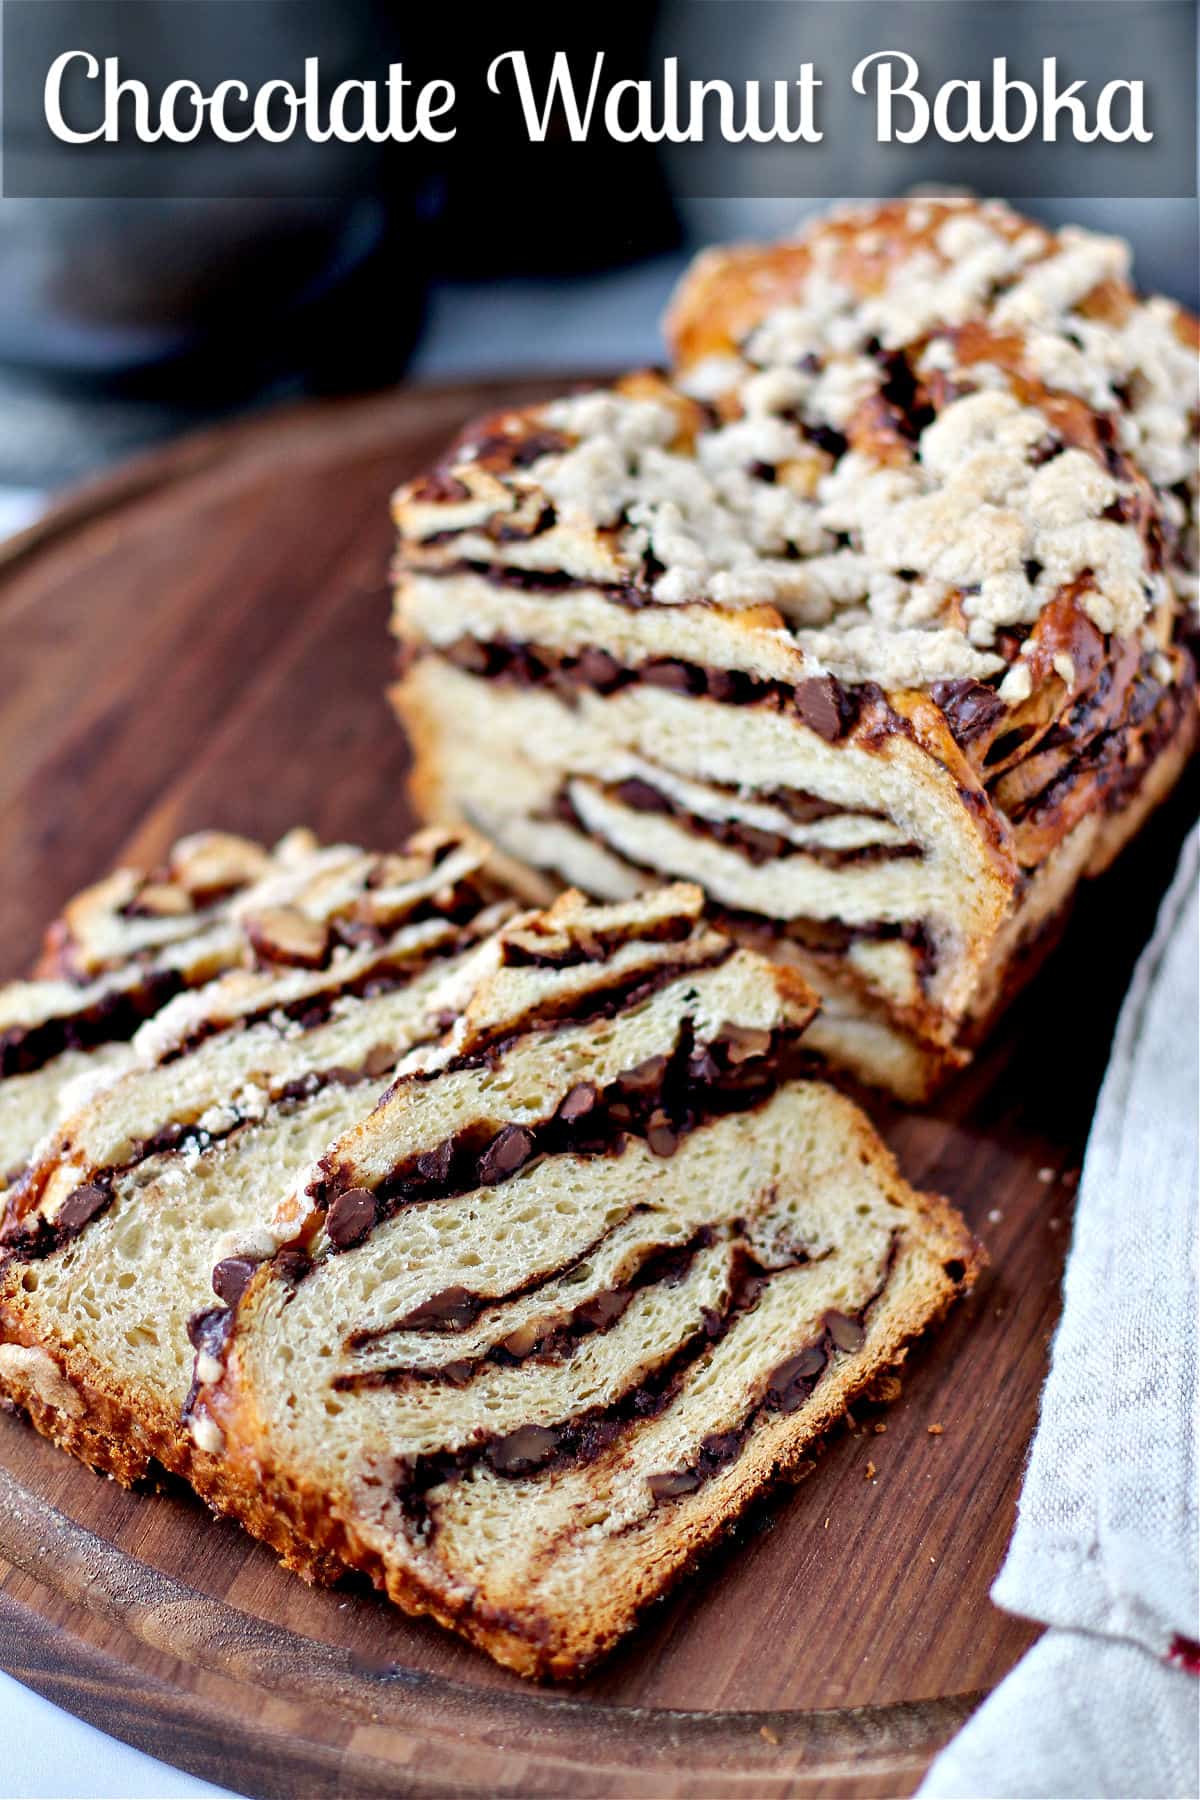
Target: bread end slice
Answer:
pixel 568 1301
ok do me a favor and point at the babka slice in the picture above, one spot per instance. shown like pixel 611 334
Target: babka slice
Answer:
pixel 592 1273
pixel 871 620
pixel 112 1234
pixel 121 950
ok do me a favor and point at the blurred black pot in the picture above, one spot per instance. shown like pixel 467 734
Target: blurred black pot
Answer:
pixel 314 272
pixel 208 301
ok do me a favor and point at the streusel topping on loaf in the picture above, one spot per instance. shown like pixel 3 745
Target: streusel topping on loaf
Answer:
pixel 871 617
pixel 590 1274
pixel 877 312
pixel 901 481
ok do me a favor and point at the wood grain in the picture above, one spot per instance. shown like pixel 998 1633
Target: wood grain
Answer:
pixel 200 640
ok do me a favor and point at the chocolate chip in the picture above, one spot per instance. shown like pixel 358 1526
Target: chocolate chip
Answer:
pixel 722 685
pixel 340 1075
pixel 847 1333
pixel 641 796
pixel 292 1265
pixel 759 846
pixel 673 1483
pixel 1045 449
pixel 209 1329
pixel 452 1310
pixel 380 1061
pixel 434 1165
pixel 905 394
pixel 505 1154
pixel 720 1448
pixel 602 1310
pixel 834 443
pixel 816 702
pixel 82 1204
pixel 579 1102
pixel 596 668
pixel 231 1278
pixel 666 672
pixel 350 1217
pixel 523 1450
pixel 970 707
pixel 457 1373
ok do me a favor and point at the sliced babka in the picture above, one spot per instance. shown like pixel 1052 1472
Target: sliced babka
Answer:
pixel 590 1275
pixel 121 950
pixel 112 1234
pixel 871 619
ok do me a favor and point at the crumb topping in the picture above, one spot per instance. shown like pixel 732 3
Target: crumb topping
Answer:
pixel 901 574
pixel 883 459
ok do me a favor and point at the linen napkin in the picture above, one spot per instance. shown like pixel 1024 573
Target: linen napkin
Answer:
pixel 1105 1546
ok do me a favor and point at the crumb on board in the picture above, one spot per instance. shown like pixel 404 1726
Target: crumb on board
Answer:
pixel 1046 1176
pixel 935 1430
pixel 772 1737
pixel 826 1525
pixel 880 1428
pixel 995 1216
pixel 870 1471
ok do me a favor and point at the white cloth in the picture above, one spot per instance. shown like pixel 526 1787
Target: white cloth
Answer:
pixel 1105 1547
pixel 50 1755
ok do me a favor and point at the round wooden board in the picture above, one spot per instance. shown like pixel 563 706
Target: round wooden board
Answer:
pixel 201 639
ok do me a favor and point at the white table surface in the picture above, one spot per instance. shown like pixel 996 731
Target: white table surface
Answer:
pixel 479 328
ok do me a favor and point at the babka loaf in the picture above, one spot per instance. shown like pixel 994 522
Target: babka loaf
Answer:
pixel 591 1274
pixel 176 1168
pixel 871 619
pixel 121 950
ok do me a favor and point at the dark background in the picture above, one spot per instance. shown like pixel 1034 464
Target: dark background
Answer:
pixel 146 287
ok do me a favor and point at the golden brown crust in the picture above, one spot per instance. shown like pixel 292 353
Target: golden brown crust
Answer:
pixel 69 1399
pixel 728 290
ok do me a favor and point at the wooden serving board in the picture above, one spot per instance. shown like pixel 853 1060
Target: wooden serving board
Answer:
pixel 200 640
